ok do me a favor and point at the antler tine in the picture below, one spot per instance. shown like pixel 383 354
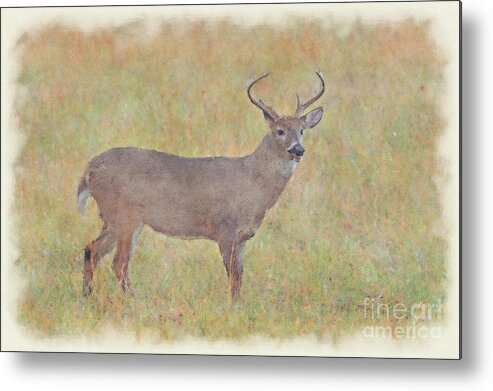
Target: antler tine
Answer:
pixel 261 105
pixel 300 108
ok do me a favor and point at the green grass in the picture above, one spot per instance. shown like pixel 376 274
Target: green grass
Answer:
pixel 357 219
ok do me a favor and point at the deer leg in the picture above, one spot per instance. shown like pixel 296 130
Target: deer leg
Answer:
pixel 121 260
pixel 232 257
pixel 94 251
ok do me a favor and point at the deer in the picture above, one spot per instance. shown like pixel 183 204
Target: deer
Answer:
pixel 223 199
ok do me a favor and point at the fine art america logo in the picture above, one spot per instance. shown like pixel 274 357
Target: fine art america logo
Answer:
pixel 419 321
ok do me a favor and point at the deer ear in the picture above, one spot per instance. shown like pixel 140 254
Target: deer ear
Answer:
pixel 311 119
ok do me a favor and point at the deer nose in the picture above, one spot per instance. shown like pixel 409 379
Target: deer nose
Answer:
pixel 297 149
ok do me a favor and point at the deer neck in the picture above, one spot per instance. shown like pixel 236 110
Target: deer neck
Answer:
pixel 269 170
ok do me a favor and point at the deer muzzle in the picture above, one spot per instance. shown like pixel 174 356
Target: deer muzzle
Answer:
pixel 296 151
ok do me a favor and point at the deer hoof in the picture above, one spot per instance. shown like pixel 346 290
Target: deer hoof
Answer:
pixel 86 289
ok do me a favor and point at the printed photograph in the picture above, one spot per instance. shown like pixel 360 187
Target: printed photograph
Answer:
pixel 270 179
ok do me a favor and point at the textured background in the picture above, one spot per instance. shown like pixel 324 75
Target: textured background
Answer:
pixel 358 219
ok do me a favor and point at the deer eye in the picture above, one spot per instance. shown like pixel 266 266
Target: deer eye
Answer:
pixel 301 131
pixel 280 132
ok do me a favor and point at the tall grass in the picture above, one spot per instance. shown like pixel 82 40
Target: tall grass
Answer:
pixel 357 219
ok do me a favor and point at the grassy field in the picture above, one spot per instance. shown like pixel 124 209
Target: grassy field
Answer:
pixel 357 220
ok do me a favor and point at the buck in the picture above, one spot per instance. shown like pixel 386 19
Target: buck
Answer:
pixel 223 199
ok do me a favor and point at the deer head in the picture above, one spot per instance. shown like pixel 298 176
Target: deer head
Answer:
pixel 286 132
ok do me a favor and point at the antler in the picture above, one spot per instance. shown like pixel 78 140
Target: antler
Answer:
pixel 300 108
pixel 261 105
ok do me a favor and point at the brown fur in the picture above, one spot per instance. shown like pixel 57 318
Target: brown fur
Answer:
pixel 218 198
